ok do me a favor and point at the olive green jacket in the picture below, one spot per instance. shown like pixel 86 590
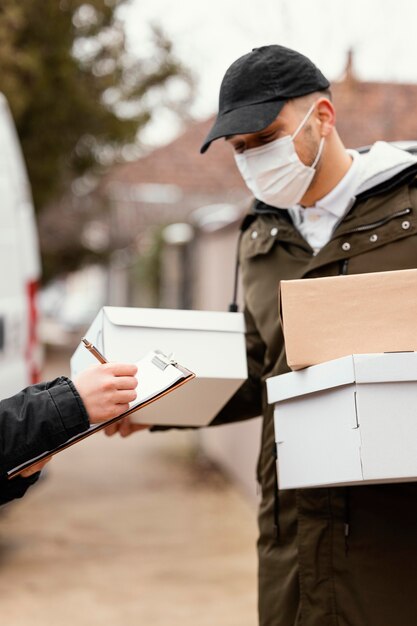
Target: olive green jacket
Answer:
pixel 314 573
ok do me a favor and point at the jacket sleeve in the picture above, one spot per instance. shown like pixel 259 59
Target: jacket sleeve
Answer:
pixel 15 488
pixel 38 419
pixel 246 403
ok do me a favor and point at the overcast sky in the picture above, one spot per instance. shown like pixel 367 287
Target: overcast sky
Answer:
pixel 209 35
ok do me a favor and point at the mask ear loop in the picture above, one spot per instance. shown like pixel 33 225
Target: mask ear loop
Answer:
pixel 299 127
pixel 303 121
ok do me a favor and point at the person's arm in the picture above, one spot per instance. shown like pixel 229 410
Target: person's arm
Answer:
pixel 37 419
pixel 45 415
pixel 246 403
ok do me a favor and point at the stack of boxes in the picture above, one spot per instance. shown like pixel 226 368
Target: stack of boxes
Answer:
pixel 350 416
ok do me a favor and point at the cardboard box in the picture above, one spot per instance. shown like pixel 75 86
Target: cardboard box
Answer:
pixel 210 344
pixel 327 318
pixel 350 421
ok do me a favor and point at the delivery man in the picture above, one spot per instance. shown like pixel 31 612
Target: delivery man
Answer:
pixel 336 556
pixel 46 415
pixel 327 557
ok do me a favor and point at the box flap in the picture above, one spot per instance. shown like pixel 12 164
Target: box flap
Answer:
pixel 360 368
pixel 176 319
pixel 385 367
pixel 310 380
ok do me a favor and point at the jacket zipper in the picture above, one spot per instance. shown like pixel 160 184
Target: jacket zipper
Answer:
pixel 365 227
pixel 344 267
pixel 381 222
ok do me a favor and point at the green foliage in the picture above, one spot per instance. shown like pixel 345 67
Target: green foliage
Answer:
pixel 76 94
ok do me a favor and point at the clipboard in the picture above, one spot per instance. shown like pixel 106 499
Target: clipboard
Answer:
pixel 161 364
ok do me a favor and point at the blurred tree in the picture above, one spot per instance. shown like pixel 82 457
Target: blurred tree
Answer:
pixel 77 95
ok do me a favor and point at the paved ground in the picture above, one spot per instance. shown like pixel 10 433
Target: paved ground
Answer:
pixel 129 532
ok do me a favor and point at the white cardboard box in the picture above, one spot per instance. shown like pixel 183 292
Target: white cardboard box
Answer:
pixel 349 421
pixel 210 344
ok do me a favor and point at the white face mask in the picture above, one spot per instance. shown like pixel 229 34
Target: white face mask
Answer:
pixel 274 172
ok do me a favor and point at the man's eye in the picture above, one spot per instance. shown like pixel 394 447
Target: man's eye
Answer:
pixel 239 147
pixel 268 138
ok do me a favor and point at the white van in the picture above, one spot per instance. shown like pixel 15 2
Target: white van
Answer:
pixel 20 269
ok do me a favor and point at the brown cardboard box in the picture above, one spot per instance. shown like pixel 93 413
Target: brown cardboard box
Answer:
pixel 327 318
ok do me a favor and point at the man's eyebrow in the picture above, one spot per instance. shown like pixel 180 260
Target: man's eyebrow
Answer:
pixel 227 137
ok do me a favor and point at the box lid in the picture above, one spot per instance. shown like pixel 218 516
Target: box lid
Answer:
pixel 359 368
pixel 385 367
pixel 311 379
pixel 176 319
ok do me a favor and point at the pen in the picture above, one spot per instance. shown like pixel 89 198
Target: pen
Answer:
pixel 94 351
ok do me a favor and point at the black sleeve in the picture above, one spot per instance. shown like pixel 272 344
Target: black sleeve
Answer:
pixel 246 403
pixel 38 419
pixel 15 488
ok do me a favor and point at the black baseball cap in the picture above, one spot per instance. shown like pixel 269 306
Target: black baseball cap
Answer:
pixel 256 87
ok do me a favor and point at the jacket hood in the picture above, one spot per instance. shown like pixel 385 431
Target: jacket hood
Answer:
pixel 383 162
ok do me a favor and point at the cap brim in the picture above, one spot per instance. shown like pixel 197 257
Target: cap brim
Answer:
pixel 246 119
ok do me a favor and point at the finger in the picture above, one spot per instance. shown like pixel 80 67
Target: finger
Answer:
pixel 124 397
pixel 121 408
pixel 136 427
pixel 126 382
pixel 125 427
pixel 122 369
pixel 35 468
pixel 28 472
pixel 111 430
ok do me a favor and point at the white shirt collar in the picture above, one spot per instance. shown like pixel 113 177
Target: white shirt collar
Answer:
pixel 339 199
pixel 316 223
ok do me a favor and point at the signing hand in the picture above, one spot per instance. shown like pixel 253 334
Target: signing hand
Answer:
pixel 107 389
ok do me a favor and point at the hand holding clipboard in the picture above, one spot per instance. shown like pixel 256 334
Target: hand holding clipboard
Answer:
pixel 157 375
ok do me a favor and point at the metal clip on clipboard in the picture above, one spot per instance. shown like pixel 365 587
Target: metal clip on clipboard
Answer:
pixel 162 361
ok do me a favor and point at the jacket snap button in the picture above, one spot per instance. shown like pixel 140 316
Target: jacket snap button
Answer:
pixel 373 238
pixel 346 246
pixel 274 231
pixel 254 234
pixel 406 224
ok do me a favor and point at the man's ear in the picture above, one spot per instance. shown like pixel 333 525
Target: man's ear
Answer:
pixel 326 116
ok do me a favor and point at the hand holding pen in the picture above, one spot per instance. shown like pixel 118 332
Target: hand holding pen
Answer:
pixel 106 389
pixel 124 427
